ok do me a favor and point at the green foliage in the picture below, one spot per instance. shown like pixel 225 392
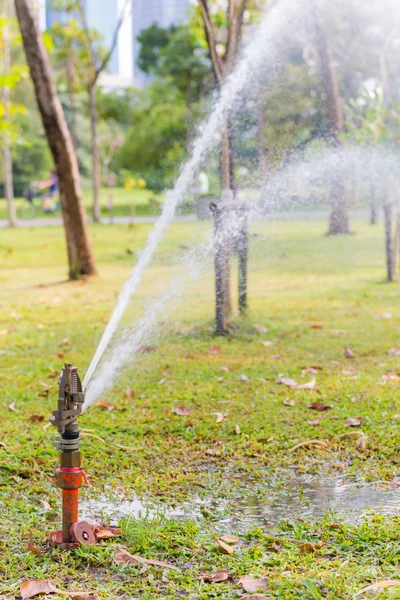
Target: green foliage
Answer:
pixel 178 54
pixel 156 141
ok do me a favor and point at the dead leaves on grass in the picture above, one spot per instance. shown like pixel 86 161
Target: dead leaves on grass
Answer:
pixel 380 585
pixel 216 577
pixel 124 557
pixel 319 443
pixel 253 585
pixel 311 385
pixel 182 411
pixel 319 406
pixel 30 589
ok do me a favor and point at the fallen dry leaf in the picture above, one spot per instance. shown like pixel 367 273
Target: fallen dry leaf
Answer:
pixel 390 377
pixel 287 381
pixel 353 422
pixel 308 386
pixel 220 417
pixel 124 557
pixel 30 589
pixel 36 418
pixel 309 443
pixel 267 344
pixel 314 423
pixel 242 378
pixel 12 407
pixel 87 597
pixel 224 369
pixel 64 342
pixel 254 597
pixel 216 577
pixel 224 547
pixel 182 411
pixel 252 585
pixel 106 532
pixel 237 429
pixel 292 383
pixel 260 328
pixel 229 539
pixel 129 393
pixel 348 353
pixel 362 444
pixel 394 352
pixel 106 405
pixel 338 331
pixel 319 406
pixel 308 547
pixel 289 403
pixel 379 586
pixel 311 370
pixel 32 547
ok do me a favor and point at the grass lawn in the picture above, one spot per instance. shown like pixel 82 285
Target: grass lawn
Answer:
pixel 122 202
pixel 315 296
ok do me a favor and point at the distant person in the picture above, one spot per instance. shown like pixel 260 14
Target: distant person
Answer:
pixel 201 185
pixel 48 204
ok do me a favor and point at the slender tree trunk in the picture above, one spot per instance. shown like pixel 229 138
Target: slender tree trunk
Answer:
pixel 80 254
pixel 243 238
pixel 227 184
pixel 72 104
pixel 8 165
pixel 339 220
pixel 94 118
pixel 220 265
pixel 262 150
pixel 372 193
pixel 388 213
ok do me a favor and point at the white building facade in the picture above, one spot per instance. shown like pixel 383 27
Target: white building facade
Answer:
pixel 103 15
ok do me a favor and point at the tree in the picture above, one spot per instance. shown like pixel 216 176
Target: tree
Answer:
pixel 98 61
pixel 80 254
pixel 9 79
pixel 339 220
pixel 179 55
pixel 223 37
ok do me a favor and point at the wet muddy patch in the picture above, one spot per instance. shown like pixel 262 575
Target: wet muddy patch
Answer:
pixel 291 499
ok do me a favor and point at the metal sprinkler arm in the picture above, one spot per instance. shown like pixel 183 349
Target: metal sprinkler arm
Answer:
pixel 70 400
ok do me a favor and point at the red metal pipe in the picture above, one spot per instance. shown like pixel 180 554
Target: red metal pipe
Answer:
pixel 69 479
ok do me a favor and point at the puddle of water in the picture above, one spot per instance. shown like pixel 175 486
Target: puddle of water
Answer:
pixel 296 498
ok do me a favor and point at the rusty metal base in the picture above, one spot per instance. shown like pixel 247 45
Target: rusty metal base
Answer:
pixel 81 533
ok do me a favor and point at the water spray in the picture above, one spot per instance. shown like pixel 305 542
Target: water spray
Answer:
pixel 69 475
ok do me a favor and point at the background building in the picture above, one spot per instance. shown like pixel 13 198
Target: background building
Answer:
pixel 103 15
pixel 162 12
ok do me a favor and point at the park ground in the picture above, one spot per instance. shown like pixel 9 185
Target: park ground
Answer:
pixel 142 202
pixel 311 296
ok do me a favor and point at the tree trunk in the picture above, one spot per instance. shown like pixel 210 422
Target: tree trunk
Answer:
pixel 8 166
pixel 72 105
pixel 243 237
pixel 372 192
pixel 387 210
pixel 227 184
pixel 339 221
pixel 80 254
pixel 94 117
pixel 220 265
pixel 262 150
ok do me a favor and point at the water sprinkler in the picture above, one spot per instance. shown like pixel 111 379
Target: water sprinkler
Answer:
pixel 69 474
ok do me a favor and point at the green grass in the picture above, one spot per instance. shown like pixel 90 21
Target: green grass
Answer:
pixel 122 203
pixel 304 287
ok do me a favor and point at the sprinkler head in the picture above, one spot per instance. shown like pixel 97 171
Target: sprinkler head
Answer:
pixel 69 475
